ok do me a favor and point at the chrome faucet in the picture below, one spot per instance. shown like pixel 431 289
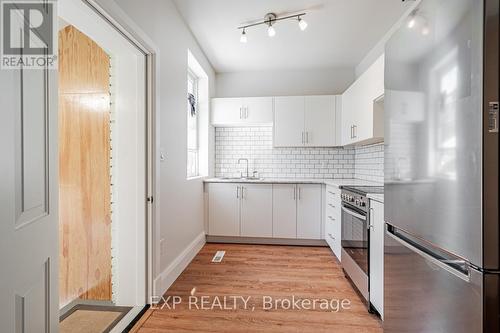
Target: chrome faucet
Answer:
pixel 244 159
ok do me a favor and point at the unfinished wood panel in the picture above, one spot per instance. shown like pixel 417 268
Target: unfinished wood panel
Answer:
pixel 84 169
pixel 257 271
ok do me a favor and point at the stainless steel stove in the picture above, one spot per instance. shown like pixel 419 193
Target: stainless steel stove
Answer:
pixel 355 235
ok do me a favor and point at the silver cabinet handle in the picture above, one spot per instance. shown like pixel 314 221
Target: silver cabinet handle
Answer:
pixel 237 192
pixel 307 137
pixel 299 193
pixel 294 193
pixel 241 114
pixel 331 205
pixel 243 192
pixel 302 137
pixel 332 193
pixel 331 218
pixel 354 131
pixel 331 236
pixel 246 112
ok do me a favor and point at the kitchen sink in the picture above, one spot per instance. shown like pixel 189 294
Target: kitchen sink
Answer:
pixel 242 178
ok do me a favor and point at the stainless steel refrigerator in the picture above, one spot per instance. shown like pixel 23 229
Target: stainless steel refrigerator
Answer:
pixel 441 251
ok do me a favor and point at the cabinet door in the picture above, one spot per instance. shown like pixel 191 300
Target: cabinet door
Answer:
pixel 289 121
pixel 348 109
pixel 257 210
pixel 377 255
pixel 319 123
pixel 371 87
pixel 227 111
pixel 258 110
pixel 284 211
pixel 309 211
pixel 224 210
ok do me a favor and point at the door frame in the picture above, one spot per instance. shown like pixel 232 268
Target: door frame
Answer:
pixel 117 19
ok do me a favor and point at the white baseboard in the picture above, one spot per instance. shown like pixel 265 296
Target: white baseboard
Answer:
pixel 177 266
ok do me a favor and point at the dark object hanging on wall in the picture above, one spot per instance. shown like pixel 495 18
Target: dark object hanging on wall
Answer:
pixel 192 102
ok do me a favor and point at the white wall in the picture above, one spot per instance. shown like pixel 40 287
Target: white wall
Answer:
pixel 180 205
pixel 284 83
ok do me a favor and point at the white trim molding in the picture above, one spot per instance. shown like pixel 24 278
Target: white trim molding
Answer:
pixel 166 278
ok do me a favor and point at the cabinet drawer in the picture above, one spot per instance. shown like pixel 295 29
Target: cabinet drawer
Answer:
pixel 332 195
pixel 331 237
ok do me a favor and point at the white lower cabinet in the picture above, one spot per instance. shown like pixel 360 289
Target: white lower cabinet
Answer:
pixel 265 210
pixel 377 256
pixel 309 211
pixel 333 225
pixel 284 211
pixel 224 209
pixel 256 210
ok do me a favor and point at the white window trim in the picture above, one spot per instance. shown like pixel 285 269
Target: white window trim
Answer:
pixel 195 80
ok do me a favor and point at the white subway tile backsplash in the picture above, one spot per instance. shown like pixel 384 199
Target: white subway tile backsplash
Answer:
pixel 369 163
pixel 255 144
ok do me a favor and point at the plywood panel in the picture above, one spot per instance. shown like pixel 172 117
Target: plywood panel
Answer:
pixel 84 169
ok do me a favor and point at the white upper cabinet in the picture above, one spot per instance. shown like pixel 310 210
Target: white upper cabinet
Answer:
pixel 227 111
pixel 362 107
pixel 258 110
pixel 249 111
pixel 305 121
pixel 319 123
pixel 289 121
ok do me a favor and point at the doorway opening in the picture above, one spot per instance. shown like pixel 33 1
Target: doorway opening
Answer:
pixel 102 173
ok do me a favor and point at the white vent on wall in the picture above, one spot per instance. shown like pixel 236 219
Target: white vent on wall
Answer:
pixel 218 256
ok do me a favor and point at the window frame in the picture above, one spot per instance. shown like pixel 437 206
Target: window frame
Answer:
pixel 194 79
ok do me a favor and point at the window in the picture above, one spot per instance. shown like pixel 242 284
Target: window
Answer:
pixel 193 151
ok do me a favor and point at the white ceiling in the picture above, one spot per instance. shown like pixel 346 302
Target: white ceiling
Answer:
pixel 340 32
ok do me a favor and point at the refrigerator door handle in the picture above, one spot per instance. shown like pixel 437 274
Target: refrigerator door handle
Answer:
pixel 441 263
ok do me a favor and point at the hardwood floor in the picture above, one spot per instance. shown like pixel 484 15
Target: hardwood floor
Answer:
pixel 256 271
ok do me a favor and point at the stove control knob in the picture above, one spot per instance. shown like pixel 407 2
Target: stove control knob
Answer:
pixel 362 203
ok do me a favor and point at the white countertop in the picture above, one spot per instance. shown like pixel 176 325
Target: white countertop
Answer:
pixel 376 197
pixel 331 182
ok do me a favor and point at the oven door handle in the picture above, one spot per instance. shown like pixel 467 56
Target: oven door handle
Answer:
pixel 353 213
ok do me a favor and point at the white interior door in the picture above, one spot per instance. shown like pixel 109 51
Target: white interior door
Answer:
pixel 309 211
pixel 289 121
pixel 224 209
pixel 319 122
pixel 29 204
pixel 257 210
pixel 284 211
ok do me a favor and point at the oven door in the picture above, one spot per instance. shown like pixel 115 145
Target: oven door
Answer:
pixel 355 235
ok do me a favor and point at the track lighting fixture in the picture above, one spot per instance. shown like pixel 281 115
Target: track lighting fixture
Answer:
pixel 302 24
pixel 270 20
pixel 243 37
pixel 417 20
pixel 271 32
